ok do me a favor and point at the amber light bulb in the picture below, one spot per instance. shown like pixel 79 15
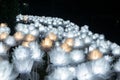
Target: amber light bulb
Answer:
pixel 95 54
pixel 3 35
pixel 29 38
pixel 46 43
pixel 25 43
pixel 69 41
pixel 3 25
pixel 25 18
pixel 66 47
pixel 52 36
pixel 19 36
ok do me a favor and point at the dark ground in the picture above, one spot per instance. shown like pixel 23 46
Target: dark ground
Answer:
pixel 102 17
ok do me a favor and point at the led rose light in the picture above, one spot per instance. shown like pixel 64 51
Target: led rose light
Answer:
pixel 52 36
pixel 3 35
pixel 25 18
pixel 29 38
pixel 22 60
pixel 25 43
pixel 69 41
pixel 3 25
pixel 10 41
pixel 19 36
pixel 46 43
pixel 4 31
pixel 95 54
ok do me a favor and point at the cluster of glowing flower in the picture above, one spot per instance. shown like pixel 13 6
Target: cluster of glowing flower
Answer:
pixel 69 45
pixel 73 52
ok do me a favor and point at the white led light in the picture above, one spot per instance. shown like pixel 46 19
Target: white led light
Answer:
pixel 83 72
pixel 77 56
pixel 59 57
pixel 36 54
pixel 10 41
pixel 116 51
pixel 100 67
pixel 21 53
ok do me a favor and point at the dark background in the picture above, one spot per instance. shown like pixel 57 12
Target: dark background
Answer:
pixel 102 17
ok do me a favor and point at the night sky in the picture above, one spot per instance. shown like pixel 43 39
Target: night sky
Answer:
pixel 102 17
